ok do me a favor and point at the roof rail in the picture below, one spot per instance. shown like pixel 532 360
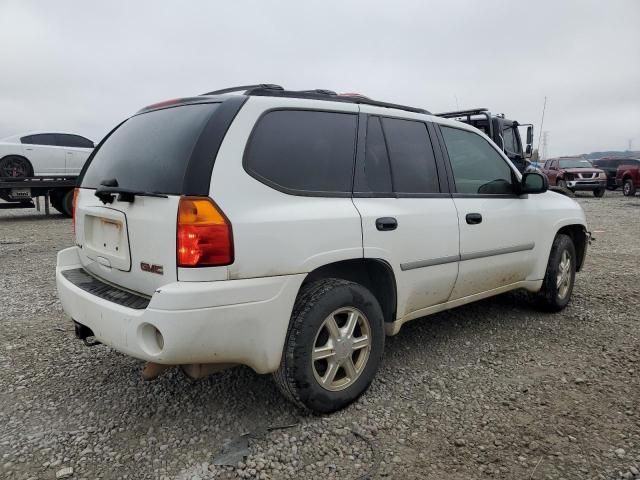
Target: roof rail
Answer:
pixel 463 113
pixel 244 88
pixel 329 95
pixel 272 90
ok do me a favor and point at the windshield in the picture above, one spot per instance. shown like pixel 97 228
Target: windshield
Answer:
pixel 150 152
pixel 575 163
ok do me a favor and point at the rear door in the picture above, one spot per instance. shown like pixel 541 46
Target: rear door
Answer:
pixel 408 216
pixel 497 227
pixel 77 150
pixel 133 243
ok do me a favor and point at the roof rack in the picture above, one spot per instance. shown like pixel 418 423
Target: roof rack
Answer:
pixel 272 90
pixel 463 113
pixel 244 88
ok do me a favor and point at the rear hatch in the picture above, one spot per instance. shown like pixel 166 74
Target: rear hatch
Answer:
pixel 129 239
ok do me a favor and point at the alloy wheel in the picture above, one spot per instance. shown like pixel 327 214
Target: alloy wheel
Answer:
pixel 563 280
pixel 341 349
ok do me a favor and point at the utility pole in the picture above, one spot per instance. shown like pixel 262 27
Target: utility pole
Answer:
pixel 545 145
pixel 630 144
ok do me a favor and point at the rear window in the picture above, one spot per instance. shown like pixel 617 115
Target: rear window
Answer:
pixel 74 141
pixel 150 152
pixel 303 151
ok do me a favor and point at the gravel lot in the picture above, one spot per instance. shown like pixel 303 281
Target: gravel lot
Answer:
pixel 491 390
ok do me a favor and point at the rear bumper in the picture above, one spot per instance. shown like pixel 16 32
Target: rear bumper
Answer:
pixel 231 321
pixel 586 184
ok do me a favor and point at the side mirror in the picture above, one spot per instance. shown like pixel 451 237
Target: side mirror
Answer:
pixel 529 134
pixel 534 182
pixel 527 152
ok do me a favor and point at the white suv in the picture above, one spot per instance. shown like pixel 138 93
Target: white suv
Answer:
pixel 291 231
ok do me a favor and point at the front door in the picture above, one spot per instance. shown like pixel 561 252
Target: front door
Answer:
pixel 45 155
pixel 408 220
pixel 497 227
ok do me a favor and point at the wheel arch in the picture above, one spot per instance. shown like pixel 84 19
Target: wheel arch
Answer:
pixel 373 273
pixel 580 238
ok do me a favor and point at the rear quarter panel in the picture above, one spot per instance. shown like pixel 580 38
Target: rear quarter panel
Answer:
pixel 275 233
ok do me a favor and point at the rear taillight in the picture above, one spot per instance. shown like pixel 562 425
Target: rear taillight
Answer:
pixel 204 234
pixel 73 210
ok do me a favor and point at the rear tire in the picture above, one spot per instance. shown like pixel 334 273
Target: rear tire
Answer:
pixel 598 193
pixel 559 278
pixel 14 166
pixel 334 345
pixel 63 202
pixel 628 188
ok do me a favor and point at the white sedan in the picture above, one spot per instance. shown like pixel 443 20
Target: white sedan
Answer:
pixel 43 154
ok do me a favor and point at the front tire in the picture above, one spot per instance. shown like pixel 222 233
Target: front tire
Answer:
pixel 599 193
pixel 560 276
pixel 561 184
pixel 628 188
pixel 334 345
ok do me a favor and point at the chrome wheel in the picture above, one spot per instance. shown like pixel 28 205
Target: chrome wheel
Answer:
pixel 626 190
pixel 341 349
pixel 563 280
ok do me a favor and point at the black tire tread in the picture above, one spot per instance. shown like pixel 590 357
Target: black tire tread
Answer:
pixel 307 298
pixel 546 296
pixel 20 157
pixel 632 188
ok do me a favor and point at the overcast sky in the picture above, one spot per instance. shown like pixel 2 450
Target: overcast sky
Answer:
pixel 83 66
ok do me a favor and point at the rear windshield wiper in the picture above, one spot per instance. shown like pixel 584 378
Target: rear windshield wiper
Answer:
pixel 109 188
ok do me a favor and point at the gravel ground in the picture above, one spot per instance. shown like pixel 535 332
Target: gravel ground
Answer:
pixel 491 390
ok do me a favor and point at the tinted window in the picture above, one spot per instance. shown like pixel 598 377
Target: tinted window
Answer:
pixel 575 163
pixel 477 166
pixel 151 151
pixel 40 139
pixel 413 166
pixel 510 143
pixel 75 141
pixel 304 150
pixel 377 176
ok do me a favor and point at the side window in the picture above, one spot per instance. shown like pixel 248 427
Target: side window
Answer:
pixel 303 150
pixel 413 165
pixel 477 167
pixel 377 175
pixel 83 142
pixel 27 140
pixel 75 141
pixel 510 143
pixel 43 139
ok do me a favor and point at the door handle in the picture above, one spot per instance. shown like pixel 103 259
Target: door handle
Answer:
pixel 474 218
pixel 384 224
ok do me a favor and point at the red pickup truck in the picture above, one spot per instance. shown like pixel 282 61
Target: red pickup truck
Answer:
pixel 628 176
pixel 575 173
